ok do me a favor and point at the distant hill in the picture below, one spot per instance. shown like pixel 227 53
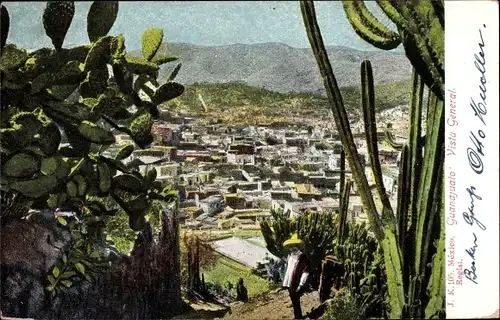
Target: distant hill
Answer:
pixel 278 67
pixel 241 103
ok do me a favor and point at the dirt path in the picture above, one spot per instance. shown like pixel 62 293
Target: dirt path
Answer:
pixel 272 306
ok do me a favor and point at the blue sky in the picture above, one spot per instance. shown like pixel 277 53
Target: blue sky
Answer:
pixel 211 23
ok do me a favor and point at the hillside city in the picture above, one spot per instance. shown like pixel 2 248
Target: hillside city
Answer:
pixel 229 177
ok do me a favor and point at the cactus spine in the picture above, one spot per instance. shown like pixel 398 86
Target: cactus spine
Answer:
pixel 407 240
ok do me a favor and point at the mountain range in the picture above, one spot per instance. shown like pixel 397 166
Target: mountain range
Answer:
pixel 279 67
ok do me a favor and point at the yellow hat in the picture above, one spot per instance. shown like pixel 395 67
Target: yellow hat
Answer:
pixel 294 240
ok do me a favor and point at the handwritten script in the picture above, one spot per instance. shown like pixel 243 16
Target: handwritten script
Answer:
pixel 475 155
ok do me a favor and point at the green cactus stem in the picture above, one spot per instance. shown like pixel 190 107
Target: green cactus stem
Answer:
pixel 389 138
pixel 162 59
pixel 57 18
pixel 433 162
pixel 343 211
pixel 95 134
pixel 422 30
pixel 436 286
pixel 99 54
pixel 49 139
pixel 12 57
pixel 140 129
pixel 342 172
pixel 151 42
pixel 141 66
pixel 415 148
pixel 100 18
pixel 128 182
pixel 124 152
pixel 4 27
pixel 21 165
pixel 368 103
pixel 368 27
pixel 340 115
pixel 174 73
pixel 35 188
pixel 403 200
pixel 168 91
pixel 71 72
pixel 104 176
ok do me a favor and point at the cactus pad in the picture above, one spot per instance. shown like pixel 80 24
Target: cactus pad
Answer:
pixel 124 152
pixel 128 182
pixel 151 42
pixel 99 55
pixel 57 18
pixel 100 19
pixel 168 91
pixel 35 188
pixel 140 129
pixel 4 28
pixel 12 57
pixel 21 165
pixel 95 134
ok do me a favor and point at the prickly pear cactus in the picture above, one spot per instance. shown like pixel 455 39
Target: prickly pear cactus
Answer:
pixel 52 146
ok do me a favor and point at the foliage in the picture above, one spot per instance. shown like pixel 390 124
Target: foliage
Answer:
pixel 357 251
pixel 82 263
pixel 228 270
pixel 127 290
pixel 40 114
pixel 121 236
pixel 363 269
pixel 317 230
pixel 251 105
pixel 191 244
pixel 413 238
pixel 344 307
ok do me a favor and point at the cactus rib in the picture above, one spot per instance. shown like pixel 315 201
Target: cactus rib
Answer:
pixel 368 102
pixel 415 146
pixel 368 27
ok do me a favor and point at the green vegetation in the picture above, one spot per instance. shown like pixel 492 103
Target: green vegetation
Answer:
pixel 218 235
pixel 38 113
pixel 225 270
pixel 121 236
pixel 330 239
pixel 412 238
pixel 240 103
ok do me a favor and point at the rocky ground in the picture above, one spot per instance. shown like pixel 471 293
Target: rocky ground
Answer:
pixel 271 306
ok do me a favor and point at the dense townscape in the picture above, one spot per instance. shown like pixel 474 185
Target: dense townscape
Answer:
pixel 127 193
pixel 231 176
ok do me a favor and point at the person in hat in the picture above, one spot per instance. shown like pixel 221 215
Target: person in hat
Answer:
pixel 297 272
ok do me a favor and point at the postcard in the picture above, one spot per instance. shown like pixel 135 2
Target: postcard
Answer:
pixel 249 160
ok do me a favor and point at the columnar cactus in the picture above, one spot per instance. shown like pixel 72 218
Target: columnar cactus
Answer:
pixel 317 230
pixel 421 30
pixel 407 237
pixel 37 115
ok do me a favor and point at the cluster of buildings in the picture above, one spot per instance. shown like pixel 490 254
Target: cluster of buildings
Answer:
pixel 229 176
